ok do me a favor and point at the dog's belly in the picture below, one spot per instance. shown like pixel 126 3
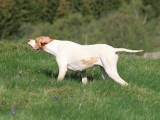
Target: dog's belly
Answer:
pixel 79 67
pixel 82 64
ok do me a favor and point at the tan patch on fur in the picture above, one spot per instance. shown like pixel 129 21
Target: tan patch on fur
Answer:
pixel 91 61
pixel 39 44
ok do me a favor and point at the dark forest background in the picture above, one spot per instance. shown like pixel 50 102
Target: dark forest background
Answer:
pixel 133 24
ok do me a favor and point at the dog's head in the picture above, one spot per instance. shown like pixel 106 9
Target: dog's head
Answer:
pixel 39 42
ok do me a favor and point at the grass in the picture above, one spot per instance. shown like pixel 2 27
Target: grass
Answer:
pixel 35 93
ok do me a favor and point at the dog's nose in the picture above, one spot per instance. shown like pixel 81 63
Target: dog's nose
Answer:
pixel 28 40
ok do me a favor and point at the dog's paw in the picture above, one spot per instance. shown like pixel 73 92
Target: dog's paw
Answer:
pixel 84 81
pixel 125 84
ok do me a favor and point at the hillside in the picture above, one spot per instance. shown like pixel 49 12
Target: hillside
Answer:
pixel 29 90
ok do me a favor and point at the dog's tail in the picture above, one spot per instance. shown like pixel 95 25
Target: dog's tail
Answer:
pixel 126 50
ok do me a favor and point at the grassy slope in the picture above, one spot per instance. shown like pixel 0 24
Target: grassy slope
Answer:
pixel 33 95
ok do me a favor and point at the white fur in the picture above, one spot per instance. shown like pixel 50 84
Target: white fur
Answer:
pixel 70 55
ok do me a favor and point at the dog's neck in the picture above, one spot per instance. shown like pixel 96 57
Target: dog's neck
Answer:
pixel 52 47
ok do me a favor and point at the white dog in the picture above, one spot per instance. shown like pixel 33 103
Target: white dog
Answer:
pixel 70 55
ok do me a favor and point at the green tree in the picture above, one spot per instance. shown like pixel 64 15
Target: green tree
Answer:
pixel 120 30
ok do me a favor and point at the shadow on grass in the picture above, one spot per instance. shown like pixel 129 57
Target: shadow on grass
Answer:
pixel 69 75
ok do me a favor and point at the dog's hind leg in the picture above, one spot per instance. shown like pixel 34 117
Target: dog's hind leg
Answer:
pixel 84 77
pixel 110 66
pixel 103 72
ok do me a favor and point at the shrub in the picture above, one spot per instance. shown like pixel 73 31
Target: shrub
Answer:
pixel 118 30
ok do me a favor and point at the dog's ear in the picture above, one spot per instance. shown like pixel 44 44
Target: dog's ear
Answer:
pixel 38 41
pixel 41 41
pixel 46 40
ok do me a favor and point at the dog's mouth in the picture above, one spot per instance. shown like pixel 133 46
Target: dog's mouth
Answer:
pixel 32 47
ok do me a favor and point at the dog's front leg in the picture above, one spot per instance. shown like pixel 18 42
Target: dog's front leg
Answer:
pixel 84 77
pixel 62 73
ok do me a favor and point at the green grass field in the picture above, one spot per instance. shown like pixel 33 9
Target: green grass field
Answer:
pixel 29 90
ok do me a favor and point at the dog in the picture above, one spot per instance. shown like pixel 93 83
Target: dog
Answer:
pixel 70 55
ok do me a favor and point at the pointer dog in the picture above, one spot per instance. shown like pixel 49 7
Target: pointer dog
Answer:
pixel 70 55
